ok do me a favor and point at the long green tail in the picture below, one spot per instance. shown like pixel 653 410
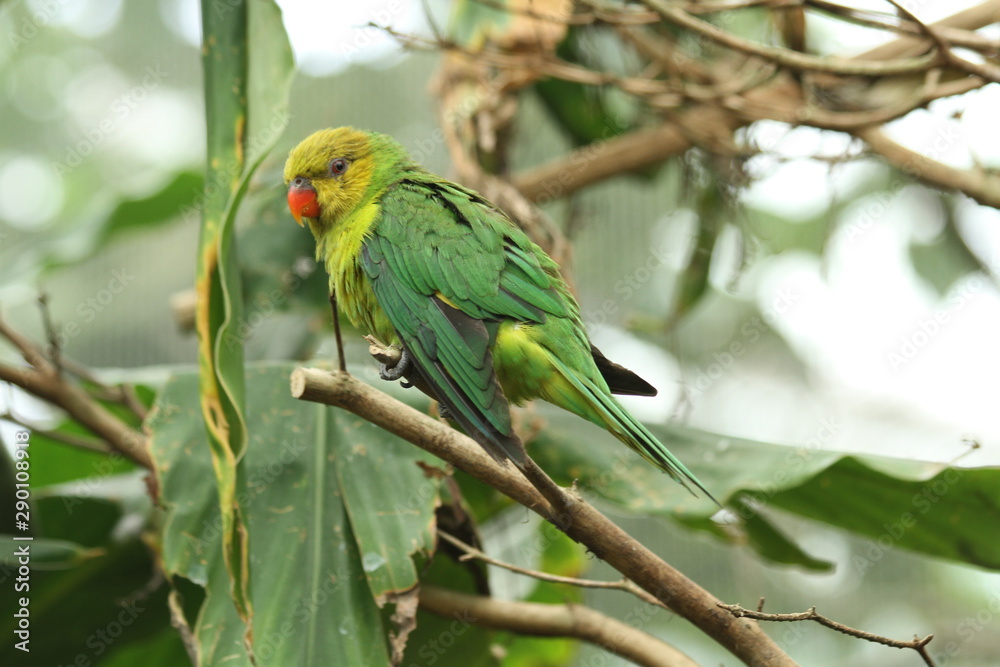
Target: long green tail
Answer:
pixel 606 412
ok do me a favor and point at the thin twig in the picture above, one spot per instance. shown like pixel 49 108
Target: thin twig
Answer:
pixel 917 644
pixel 341 358
pixel 554 620
pixel 42 380
pixel 80 442
pixel 955 36
pixel 472 552
pixel 29 351
pixel 981 185
pixel 585 524
pixel 982 70
pixel 50 332
pixel 793 59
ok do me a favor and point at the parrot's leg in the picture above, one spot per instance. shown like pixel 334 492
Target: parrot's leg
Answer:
pixel 397 370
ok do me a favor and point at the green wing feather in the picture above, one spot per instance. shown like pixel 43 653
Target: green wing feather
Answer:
pixel 447 268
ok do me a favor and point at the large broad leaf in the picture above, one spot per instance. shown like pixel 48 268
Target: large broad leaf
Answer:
pixel 93 589
pixel 456 641
pixel 90 613
pixel 924 507
pixel 246 97
pixel 336 510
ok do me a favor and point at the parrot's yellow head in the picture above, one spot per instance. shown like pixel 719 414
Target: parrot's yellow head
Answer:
pixel 334 171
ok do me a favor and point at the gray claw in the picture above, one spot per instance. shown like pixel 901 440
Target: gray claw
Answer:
pixel 398 370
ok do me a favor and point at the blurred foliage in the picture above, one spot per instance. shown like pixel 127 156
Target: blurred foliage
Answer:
pixel 339 516
pixel 334 510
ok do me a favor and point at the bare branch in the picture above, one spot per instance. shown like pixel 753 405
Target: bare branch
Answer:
pixel 623 585
pixel 978 183
pixel 882 21
pixel 972 18
pixel 782 101
pixel 43 380
pixel 794 59
pixel 79 442
pixel 917 644
pixel 981 70
pixel 555 620
pixel 581 521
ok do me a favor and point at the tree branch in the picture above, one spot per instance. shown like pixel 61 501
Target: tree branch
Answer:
pixel 623 585
pixel 882 21
pixel 793 59
pixel 782 101
pixel 555 620
pixel 43 380
pixel 917 644
pixel 977 183
pixel 584 524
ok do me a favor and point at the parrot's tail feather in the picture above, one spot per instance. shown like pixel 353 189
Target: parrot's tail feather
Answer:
pixel 612 416
pixel 499 445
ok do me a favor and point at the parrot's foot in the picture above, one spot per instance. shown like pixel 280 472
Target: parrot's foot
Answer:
pixel 397 370
pixel 444 413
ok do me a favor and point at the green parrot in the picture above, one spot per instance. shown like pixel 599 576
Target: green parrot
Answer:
pixel 480 312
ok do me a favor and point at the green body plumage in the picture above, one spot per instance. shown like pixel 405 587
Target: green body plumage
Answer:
pixel 483 311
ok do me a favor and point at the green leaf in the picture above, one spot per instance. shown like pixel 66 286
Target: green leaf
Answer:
pixel 54 462
pixel 245 104
pixel 559 555
pixel 455 641
pixel 156 208
pixel 770 542
pixel 89 613
pixel 163 649
pixel 943 512
pixel 46 553
pixel 585 112
pixel 951 514
pixel 335 508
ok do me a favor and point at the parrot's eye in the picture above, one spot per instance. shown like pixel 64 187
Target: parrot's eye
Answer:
pixel 338 166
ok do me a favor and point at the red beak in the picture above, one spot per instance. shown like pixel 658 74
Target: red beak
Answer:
pixel 302 201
